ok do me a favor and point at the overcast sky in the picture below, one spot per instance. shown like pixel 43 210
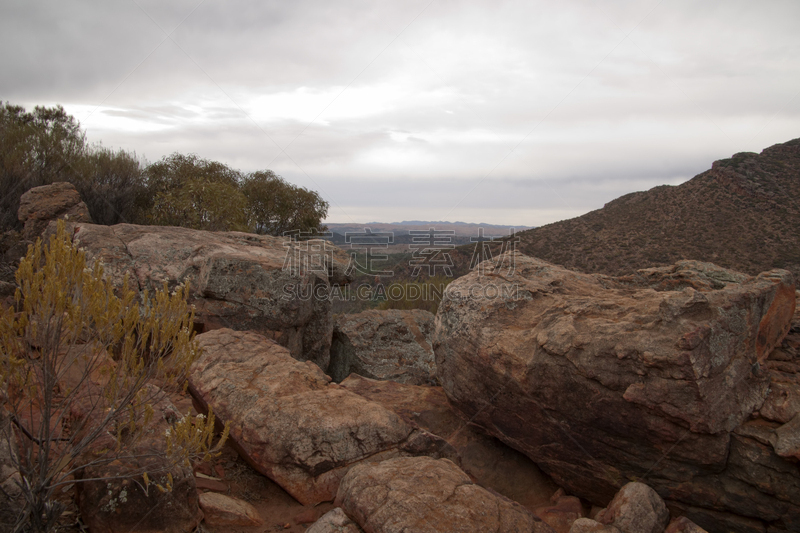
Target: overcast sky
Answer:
pixel 519 113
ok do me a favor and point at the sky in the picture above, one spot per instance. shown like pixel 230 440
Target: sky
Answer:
pixel 517 113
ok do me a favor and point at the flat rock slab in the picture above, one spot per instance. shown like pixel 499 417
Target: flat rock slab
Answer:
pixel 387 344
pixel 601 380
pixel 288 421
pixel 238 280
pixel 426 495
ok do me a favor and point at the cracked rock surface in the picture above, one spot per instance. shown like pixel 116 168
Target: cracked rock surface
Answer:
pixel 658 375
pixel 238 280
pixel 426 495
pixel 289 421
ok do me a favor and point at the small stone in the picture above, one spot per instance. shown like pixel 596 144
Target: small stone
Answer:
pixel 221 510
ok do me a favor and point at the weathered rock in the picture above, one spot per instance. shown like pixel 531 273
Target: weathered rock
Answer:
pixel 426 495
pixel 112 498
pixel 603 380
pixel 221 510
pixel 238 280
pixel 562 513
pixel 334 521
pixel 683 525
pixel 39 205
pixel 587 525
pixel 288 421
pixel 488 461
pixel 636 508
pixel 388 345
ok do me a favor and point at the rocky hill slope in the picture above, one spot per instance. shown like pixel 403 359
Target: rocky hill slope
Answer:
pixel 743 213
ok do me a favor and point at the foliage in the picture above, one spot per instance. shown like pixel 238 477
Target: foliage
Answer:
pixel 276 206
pixel 47 145
pixel 78 361
pixel 36 148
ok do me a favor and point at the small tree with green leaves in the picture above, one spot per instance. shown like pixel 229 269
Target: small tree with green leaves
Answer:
pixel 78 360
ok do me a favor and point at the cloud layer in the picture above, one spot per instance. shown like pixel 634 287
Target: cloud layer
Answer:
pixel 513 112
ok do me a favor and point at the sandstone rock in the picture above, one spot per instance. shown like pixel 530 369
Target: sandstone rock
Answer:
pixel 238 280
pixel 601 380
pixel 563 513
pixel 112 497
pixel 334 521
pixel 288 421
pixel 221 510
pixel 426 495
pixel 587 525
pixel 39 205
pixel 388 345
pixel 684 525
pixel 488 461
pixel 11 502
pixel 787 443
pixel 636 508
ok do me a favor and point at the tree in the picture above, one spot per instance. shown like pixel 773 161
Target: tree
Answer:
pixel 196 193
pixel 276 206
pixel 111 183
pixel 77 362
pixel 36 148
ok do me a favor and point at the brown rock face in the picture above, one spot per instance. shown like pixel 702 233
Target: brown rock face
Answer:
pixel 426 495
pixel 489 462
pixel 289 421
pixel 40 205
pixel 389 345
pixel 602 380
pixel 239 280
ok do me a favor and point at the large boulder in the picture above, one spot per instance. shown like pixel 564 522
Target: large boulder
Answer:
pixel 636 509
pixel 40 205
pixel 389 345
pixel 289 421
pixel 334 521
pixel 604 380
pixel 426 495
pixel 278 288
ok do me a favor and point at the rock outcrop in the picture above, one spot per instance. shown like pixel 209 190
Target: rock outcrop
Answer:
pixel 222 511
pixel 426 495
pixel 238 280
pixel 489 462
pixel 603 380
pixel 636 509
pixel 40 205
pixel 388 345
pixel 289 422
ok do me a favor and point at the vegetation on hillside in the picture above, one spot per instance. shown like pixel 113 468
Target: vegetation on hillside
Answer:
pixel 47 145
pixel 742 214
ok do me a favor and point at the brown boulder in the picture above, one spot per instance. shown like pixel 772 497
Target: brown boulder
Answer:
pixel 488 461
pixel 40 205
pixel 388 345
pixel 602 380
pixel 426 495
pixel 238 280
pixel 288 421
pixel 587 525
pixel 636 508
pixel 334 521
pixel 224 511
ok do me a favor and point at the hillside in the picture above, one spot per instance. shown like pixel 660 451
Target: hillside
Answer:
pixel 743 213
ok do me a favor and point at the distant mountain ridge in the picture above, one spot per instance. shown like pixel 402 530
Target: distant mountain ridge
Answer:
pixel 461 229
pixel 743 213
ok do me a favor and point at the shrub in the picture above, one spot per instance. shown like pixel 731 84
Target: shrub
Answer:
pixel 78 361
